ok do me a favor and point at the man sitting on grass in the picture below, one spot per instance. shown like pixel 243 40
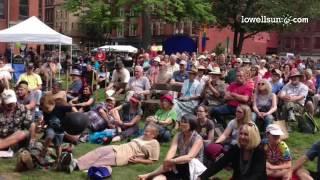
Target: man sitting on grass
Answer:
pixel 16 125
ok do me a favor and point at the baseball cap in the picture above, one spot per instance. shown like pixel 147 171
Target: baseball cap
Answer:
pixel 274 129
pixel 9 96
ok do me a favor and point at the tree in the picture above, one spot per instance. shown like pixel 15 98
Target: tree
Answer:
pixel 97 18
pixel 106 17
pixel 229 13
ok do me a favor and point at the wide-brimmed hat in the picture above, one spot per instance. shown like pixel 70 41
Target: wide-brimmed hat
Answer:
pixel 215 71
pixel 276 71
pixel 193 70
pixel 75 72
pixel 157 59
pixel 201 57
pixel 168 98
pixel 201 67
pixel 274 129
pixel 295 73
pixel 183 62
pixel 247 61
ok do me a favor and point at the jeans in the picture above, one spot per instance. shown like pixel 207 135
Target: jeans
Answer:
pixel 223 110
pixel 266 120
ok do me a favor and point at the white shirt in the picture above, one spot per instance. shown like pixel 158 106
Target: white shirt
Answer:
pixel 123 76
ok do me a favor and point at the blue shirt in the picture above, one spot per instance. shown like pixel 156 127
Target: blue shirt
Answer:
pixel 178 76
pixel 276 87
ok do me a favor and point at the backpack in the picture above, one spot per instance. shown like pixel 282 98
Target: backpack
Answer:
pixel 307 124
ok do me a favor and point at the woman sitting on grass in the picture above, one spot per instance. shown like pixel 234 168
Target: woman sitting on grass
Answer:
pixel 230 135
pixel 84 101
pixel 165 117
pixel 185 146
pixel 247 159
pixel 145 150
pixel 278 154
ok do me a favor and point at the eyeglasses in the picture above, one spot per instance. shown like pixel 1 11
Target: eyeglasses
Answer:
pixel 260 84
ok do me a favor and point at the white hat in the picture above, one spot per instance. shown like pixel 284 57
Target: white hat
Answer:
pixel 75 72
pixel 202 57
pixel 263 60
pixel 246 60
pixel 183 62
pixel 157 59
pixel 213 54
pixel 239 60
pixel 215 71
pixel 274 129
pixel 9 96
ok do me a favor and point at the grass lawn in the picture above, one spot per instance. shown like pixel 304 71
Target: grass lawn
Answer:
pixel 297 142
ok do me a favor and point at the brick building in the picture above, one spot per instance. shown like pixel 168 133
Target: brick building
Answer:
pixel 14 11
pixel 305 40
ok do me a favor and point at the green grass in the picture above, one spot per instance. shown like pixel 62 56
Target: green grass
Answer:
pixel 297 142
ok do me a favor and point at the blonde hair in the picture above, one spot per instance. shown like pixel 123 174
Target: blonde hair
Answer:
pixel 268 86
pixel 253 134
pixel 247 114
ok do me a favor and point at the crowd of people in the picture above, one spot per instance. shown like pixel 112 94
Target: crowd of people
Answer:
pixel 224 116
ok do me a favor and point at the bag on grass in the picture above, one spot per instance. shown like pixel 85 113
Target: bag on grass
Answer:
pixel 98 173
pixel 307 124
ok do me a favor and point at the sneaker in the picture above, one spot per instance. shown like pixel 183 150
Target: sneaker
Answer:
pixel 67 163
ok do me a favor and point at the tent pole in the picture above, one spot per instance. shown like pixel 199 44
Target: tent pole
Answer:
pixel 60 61
pixel 11 61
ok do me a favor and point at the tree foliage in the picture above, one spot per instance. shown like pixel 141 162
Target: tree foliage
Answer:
pixel 99 16
pixel 230 12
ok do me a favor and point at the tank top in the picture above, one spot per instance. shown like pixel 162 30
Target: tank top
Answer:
pixel 184 148
pixel 264 102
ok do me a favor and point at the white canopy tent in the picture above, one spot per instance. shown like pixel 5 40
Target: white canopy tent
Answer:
pixel 32 30
pixel 118 48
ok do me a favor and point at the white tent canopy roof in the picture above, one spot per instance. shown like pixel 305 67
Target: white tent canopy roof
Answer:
pixel 33 30
pixel 118 48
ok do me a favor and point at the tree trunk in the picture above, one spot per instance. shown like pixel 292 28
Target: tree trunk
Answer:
pixel 146 29
pixel 235 40
pixel 240 43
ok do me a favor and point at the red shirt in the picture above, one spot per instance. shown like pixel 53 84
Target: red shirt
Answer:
pixel 241 89
pixel 101 56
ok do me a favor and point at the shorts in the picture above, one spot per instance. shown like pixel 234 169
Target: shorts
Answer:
pixel 57 138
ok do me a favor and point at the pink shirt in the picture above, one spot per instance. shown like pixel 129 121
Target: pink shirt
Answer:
pixel 241 89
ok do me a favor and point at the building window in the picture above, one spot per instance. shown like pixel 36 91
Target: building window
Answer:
pixel 121 12
pixel 306 42
pixel 287 43
pixel 1 9
pixel 120 30
pixel 24 9
pixel 158 28
pixel 132 30
pixel 40 9
pixel 317 43
pixel 297 43
pixel 131 13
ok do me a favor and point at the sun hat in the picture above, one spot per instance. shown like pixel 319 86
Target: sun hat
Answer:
pixel 182 62
pixel 157 59
pixel 294 73
pixel 215 71
pixel 168 98
pixel 75 72
pixel 274 129
pixel 276 71
pixel 193 70
pixel 239 60
pixel 246 60
pixel 201 57
pixel 9 96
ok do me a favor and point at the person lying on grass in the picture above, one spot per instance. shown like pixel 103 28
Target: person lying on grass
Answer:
pixel 145 150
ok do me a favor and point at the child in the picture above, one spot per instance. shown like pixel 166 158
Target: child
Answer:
pixel 53 115
pixel 277 153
